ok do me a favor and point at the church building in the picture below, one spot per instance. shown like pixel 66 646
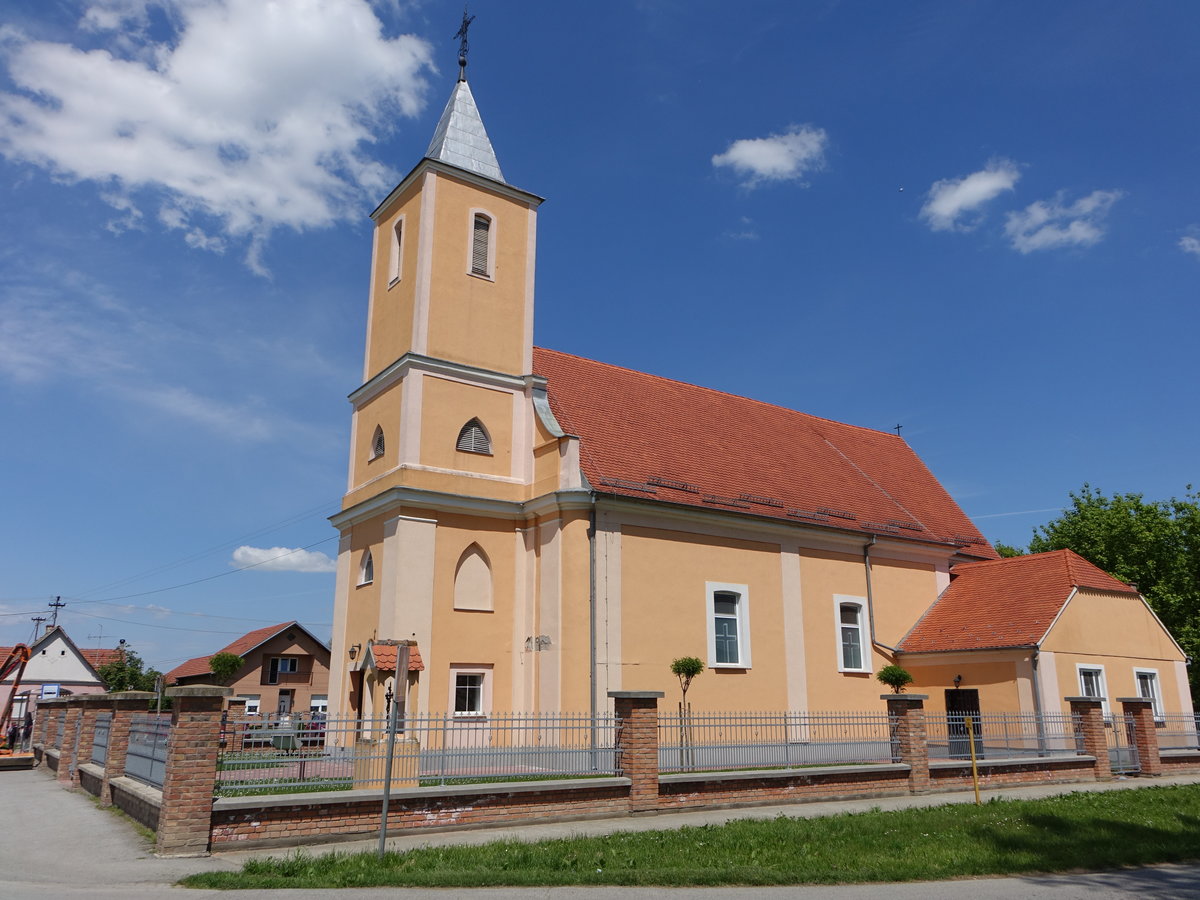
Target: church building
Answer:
pixel 539 529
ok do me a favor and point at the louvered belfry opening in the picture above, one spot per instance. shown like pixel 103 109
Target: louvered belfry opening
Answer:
pixel 378 444
pixel 479 245
pixel 473 439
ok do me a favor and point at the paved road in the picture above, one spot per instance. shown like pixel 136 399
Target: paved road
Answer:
pixel 57 843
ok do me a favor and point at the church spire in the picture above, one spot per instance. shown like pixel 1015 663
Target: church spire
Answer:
pixel 460 138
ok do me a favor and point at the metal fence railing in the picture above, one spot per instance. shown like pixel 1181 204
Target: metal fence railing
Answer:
pixel 314 753
pixel 1179 731
pixel 146 758
pixel 1120 731
pixel 705 742
pixel 100 738
pixel 1002 735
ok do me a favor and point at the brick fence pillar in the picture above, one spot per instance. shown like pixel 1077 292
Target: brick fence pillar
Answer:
pixel 91 705
pixel 185 817
pixel 637 745
pixel 233 724
pixel 1145 735
pixel 910 743
pixel 125 705
pixel 1089 714
pixel 66 753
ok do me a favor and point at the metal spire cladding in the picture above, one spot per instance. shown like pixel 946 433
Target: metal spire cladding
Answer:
pixel 460 138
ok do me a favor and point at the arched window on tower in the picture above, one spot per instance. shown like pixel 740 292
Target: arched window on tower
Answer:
pixel 481 245
pixel 474 439
pixel 378 444
pixel 473 580
pixel 366 569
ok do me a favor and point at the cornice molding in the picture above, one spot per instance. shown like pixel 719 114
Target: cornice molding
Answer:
pixel 418 499
pixel 475 180
pixel 433 366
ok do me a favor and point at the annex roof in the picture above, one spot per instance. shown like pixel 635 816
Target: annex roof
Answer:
pixel 241 647
pixel 460 138
pixel 652 438
pixel 1005 602
pixel 385 653
pixel 92 658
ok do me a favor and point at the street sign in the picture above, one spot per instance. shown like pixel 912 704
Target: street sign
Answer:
pixel 50 691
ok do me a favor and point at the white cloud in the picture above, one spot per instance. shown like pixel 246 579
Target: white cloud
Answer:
pixel 951 199
pixel 779 157
pixel 1190 244
pixel 252 114
pixel 282 559
pixel 1048 224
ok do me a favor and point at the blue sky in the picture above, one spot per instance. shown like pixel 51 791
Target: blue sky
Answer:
pixel 977 220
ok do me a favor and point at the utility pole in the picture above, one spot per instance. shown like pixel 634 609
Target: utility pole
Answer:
pixel 56 605
pixel 37 625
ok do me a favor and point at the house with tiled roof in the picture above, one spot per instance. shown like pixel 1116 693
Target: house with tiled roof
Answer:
pixel 285 670
pixel 1022 633
pixel 57 667
pixel 543 529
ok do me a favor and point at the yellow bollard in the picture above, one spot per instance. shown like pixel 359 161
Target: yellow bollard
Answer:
pixel 974 768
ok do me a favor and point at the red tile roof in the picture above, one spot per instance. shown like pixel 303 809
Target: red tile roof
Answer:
pixel 103 657
pixel 242 646
pixel 1005 602
pixel 385 655
pixel 656 439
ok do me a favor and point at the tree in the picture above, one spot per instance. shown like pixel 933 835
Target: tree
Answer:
pixel 1007 550
pixel 686 668
pixel 1154 545
pixel 224 666
pixel 895 677
pixel 128 673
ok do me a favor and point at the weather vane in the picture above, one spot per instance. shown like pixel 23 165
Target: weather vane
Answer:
pixel 463 46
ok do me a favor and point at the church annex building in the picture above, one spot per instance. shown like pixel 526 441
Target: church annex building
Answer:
pixel 540 529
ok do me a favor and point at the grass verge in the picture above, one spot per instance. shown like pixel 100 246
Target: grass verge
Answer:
pixel 1078 831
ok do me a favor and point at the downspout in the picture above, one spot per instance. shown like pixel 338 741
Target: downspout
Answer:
pixel 592 610
pixel 871 598
pixel 1037 700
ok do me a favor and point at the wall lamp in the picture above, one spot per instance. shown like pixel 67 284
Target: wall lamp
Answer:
pixel 354 650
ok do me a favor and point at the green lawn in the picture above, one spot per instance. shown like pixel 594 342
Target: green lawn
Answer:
pixel 1081 831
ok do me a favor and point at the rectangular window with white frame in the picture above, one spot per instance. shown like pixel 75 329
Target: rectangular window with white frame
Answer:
pixel 252 703
pixel 728 610
pixel 1092 683
pixel 1148 689
pixel 853 652
pixel 318 704
pixel 471 690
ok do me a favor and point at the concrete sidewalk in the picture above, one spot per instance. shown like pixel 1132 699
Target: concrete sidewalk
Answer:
pixel 59 843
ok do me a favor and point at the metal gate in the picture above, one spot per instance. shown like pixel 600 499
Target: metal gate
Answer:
pixel 1122 747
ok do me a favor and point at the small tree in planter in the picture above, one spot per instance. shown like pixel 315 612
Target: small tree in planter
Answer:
pixel 895 677
pixel 685 668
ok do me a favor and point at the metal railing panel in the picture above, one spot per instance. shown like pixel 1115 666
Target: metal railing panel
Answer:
pixel 100 738
pixel 1120 731
pixel 315 753
pixel 709 742
pixel 1178 731
pixel 1001 735
pixel 146 758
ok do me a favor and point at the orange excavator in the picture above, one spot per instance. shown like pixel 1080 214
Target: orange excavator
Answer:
pixel 18 657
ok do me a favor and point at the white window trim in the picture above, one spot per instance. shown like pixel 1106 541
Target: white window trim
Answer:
pixel 318 704
pixel 485 693
pixel 840 600
pixel 396 263
pixel 367 556
pixel 255 699
pixel 491 249
pixel 1156 704
pixel 1080 668
pixel 711 589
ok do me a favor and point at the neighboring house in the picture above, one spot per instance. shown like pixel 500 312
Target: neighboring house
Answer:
pixel 285 670
pixel 543 529
pixel 56 668
pixel 1020 634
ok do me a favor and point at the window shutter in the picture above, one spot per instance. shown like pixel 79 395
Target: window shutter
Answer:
pixel 378 444
pixel 479 246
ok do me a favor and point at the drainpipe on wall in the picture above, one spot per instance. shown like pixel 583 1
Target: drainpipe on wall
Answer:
pixel 871 598
pixel 1037 700
pixel 592 609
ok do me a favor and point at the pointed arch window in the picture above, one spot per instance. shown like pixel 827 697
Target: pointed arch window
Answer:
pixel 366 569
pixel 474 439
pixel 397 248
pixel 473 581
pixel 481 245
pixel 378 444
